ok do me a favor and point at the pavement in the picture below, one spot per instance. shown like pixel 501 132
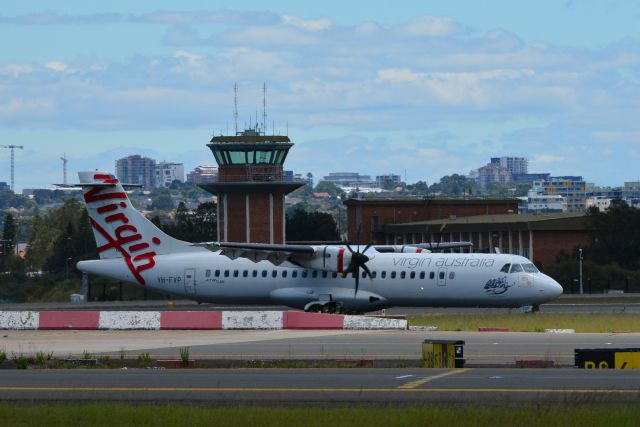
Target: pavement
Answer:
pixel 481 348
pixel 388 387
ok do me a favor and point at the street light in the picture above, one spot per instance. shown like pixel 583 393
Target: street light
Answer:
pixel 580 252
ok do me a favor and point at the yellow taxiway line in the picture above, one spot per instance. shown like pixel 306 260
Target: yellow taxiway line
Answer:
pixel 417 383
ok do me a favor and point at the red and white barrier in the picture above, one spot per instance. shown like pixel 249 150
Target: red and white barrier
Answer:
pixel 204 320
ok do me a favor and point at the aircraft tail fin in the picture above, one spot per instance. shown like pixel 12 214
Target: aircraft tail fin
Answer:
pixel 120 230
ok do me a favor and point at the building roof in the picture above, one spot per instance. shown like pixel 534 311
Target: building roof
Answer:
pixel 233 139
pixel 428 201
pixel 567 221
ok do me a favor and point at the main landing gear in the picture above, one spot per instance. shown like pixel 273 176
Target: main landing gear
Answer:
pixel 333 307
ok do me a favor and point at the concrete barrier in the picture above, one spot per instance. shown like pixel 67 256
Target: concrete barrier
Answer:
pixel 173 320
pixel 302 320
pixel 69 320
pixel 19 319
pixel 252 319
pixel 190 320
pixel 365 322
pixel 124 320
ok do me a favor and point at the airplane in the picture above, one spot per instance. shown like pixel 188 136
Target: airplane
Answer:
pixel 317 278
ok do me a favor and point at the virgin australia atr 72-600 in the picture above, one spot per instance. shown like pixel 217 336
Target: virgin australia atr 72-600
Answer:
pixel 327 278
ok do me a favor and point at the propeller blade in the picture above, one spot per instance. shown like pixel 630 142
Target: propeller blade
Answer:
pixel 357 273
pixel 367 272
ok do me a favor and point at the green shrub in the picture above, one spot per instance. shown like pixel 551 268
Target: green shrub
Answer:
pixel 144 360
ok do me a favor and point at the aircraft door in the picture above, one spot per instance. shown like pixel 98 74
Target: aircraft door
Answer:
pixel 442 277
pixel 190 281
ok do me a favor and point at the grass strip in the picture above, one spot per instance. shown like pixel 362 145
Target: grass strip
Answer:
pixel 172 415
pixel 529 322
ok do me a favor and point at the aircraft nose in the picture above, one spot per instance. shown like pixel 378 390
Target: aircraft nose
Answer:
pixel 554 288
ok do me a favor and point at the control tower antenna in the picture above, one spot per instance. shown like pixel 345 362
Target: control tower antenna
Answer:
pixel 235 102
pixel 12 147
pixel 264 107
pixel 64 168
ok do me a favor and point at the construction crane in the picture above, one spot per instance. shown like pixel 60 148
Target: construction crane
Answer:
pixel 12 147
pixel 64 168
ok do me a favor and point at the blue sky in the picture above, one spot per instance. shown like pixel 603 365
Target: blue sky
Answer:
pixel 418 88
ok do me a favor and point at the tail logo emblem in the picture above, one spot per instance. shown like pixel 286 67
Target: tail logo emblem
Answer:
pixel 126 239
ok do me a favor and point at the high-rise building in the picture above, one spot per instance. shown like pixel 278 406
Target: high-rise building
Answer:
pixel 203 174
pixel 136 170
pixel 571 188
pixel 515 165
pixel 167 172
pixel 349 179
pixel 388 182
pixel 492 172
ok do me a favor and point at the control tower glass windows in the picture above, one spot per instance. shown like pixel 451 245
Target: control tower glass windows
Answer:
pixel 250 157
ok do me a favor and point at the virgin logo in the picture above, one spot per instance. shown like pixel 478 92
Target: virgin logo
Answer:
pixel 126 239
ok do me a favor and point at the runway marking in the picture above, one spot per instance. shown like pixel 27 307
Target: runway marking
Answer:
pixel 321 390
pixel 404 376
pixel 421 381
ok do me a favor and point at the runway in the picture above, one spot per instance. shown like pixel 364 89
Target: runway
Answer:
pixel 322 386
pixel 481 348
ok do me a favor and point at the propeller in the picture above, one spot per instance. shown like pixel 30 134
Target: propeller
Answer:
pixel 358 261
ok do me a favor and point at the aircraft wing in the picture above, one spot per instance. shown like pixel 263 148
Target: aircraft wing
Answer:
pixel 433 246
pixel 274 253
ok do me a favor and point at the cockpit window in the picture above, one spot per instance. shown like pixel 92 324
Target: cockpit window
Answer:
pixel 505 268
pixel 530 268
pixel 516 268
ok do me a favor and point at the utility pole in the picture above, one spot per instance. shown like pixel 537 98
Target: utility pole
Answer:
pixel 12 147
pixel 64 168
pixel 581 289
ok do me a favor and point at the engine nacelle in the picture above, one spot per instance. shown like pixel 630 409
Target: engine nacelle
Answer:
pixel 333 259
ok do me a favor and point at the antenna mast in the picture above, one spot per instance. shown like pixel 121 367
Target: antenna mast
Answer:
pixel 12 147
pixel 64 168
pixel 264 107
pixel 235 101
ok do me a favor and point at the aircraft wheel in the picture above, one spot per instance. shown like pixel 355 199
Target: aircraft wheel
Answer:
pixel 535 308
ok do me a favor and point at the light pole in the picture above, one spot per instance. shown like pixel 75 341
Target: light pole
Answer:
pixel 581 289
pixel 66 273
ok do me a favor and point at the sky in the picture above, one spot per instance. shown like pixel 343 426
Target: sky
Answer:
pixel 421 89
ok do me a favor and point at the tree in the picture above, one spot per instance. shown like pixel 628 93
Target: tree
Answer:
pixel 311 226
pixel 454 185
pixel 616 235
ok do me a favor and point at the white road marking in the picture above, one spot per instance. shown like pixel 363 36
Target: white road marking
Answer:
pixel 403 376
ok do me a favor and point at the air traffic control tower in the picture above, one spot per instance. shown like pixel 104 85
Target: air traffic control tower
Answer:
pixel 251 186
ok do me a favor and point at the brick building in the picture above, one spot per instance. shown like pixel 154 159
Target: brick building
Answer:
pixel 251 186
pixel 539 237
pixel 372 215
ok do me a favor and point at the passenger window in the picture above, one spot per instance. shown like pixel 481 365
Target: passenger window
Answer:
pixel 207 273
pixel 284 274
pixel 226 273
pixel 515 268
pixel 305 273
pixel 422 274
pixel 324 274
pixel 364 274
pixel 412 275
pixel 235 273
pixel 452 274
pixel 314 273
pixel 505 268
pixel 274 273
pixel 334 275
pixel 217 274
pixel 254 273
pixel 441 275
pixel 393 274
pixel 294 274
pixel 245 273
pixel 432 275
pixel 264 273
pixel 383 274
pixel 403 274
pixel 374 274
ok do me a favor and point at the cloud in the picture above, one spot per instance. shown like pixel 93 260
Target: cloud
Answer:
pixel 618 137
pixel 430 26
pixel 53 18
pixel 547 158
pixel 309 24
